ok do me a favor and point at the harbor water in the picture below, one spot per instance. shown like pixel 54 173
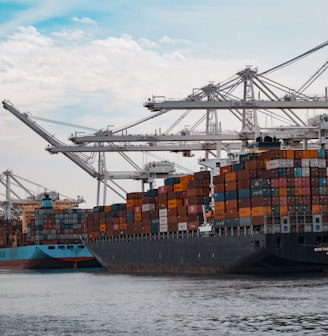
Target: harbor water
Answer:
pixel 89 302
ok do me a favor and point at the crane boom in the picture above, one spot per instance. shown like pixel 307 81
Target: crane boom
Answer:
pixel 50 139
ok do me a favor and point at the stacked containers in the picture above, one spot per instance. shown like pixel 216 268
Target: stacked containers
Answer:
pixel 133 213
pixel 197 199
pixel 6 232
pixel 271 184
pixel 64 225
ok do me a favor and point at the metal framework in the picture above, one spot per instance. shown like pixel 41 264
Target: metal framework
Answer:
pixel 240 95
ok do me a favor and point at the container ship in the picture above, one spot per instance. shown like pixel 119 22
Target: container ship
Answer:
pixel 266 213
pixel 47 237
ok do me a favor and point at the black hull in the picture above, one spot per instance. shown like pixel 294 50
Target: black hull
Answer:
pixel 260 253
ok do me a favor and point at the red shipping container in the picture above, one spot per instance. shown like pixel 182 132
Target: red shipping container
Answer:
pixel 307 191
pixel 306 182
pixel 192 226
pixel 275 182
pixel 298 182
pixel 231 204
pixel 195 209
pixel 283 200
pixel 225 169
pixel 232 213
pixel 282 182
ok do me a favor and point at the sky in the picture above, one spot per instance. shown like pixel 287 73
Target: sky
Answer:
pixel 94 64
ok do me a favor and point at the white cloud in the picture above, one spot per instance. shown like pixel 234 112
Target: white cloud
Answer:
pixel 84 19
pixel 72 35
pixel 168 40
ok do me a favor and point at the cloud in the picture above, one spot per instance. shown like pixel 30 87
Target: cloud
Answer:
pixel 168 40
pixel 71 35
pixel 84 20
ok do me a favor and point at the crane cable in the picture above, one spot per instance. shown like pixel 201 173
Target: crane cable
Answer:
pixel 293 60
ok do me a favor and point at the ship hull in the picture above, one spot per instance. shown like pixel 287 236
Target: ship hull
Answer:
pixel 47 257
pixel 261 253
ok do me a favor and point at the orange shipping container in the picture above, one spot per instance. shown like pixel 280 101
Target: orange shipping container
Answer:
pixel 283 191
pixel 284 210
pixel 219 214
pixel 316 208
pixel 138 217
pixel 229 177
pixel 290 154
pixel 257 211
pixel 298 191
pixel 219 206
pixel 174 203
pixel 102 227
pixel 245 212
pixel 180 187
pixel 186 178
pixel 232 185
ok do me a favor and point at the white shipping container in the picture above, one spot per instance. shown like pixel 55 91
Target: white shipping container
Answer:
pixel 322 163
pixel 162 220
pixel 182 226
pixel 289 163
pixel 163 228
pixel 305 172
pixel 148 207
pixel 162 212
pixel 305 162
pixel 273 164
pixel 314 163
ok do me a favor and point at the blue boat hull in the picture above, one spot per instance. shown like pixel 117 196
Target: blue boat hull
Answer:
pixel 47 257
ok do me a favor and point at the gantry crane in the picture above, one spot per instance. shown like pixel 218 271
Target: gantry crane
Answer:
pixel 23 208
pixel 237 95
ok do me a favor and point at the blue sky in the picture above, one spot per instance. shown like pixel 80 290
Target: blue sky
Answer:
pixel 95 63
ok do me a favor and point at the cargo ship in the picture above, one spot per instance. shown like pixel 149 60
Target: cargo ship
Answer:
pixel 266 213
pixel 47 237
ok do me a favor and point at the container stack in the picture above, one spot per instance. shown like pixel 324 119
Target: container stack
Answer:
pixel 133 213
pixel 6 233
pixel 266 186
pixel 198 199
pixel 176 206
pixel 64 225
